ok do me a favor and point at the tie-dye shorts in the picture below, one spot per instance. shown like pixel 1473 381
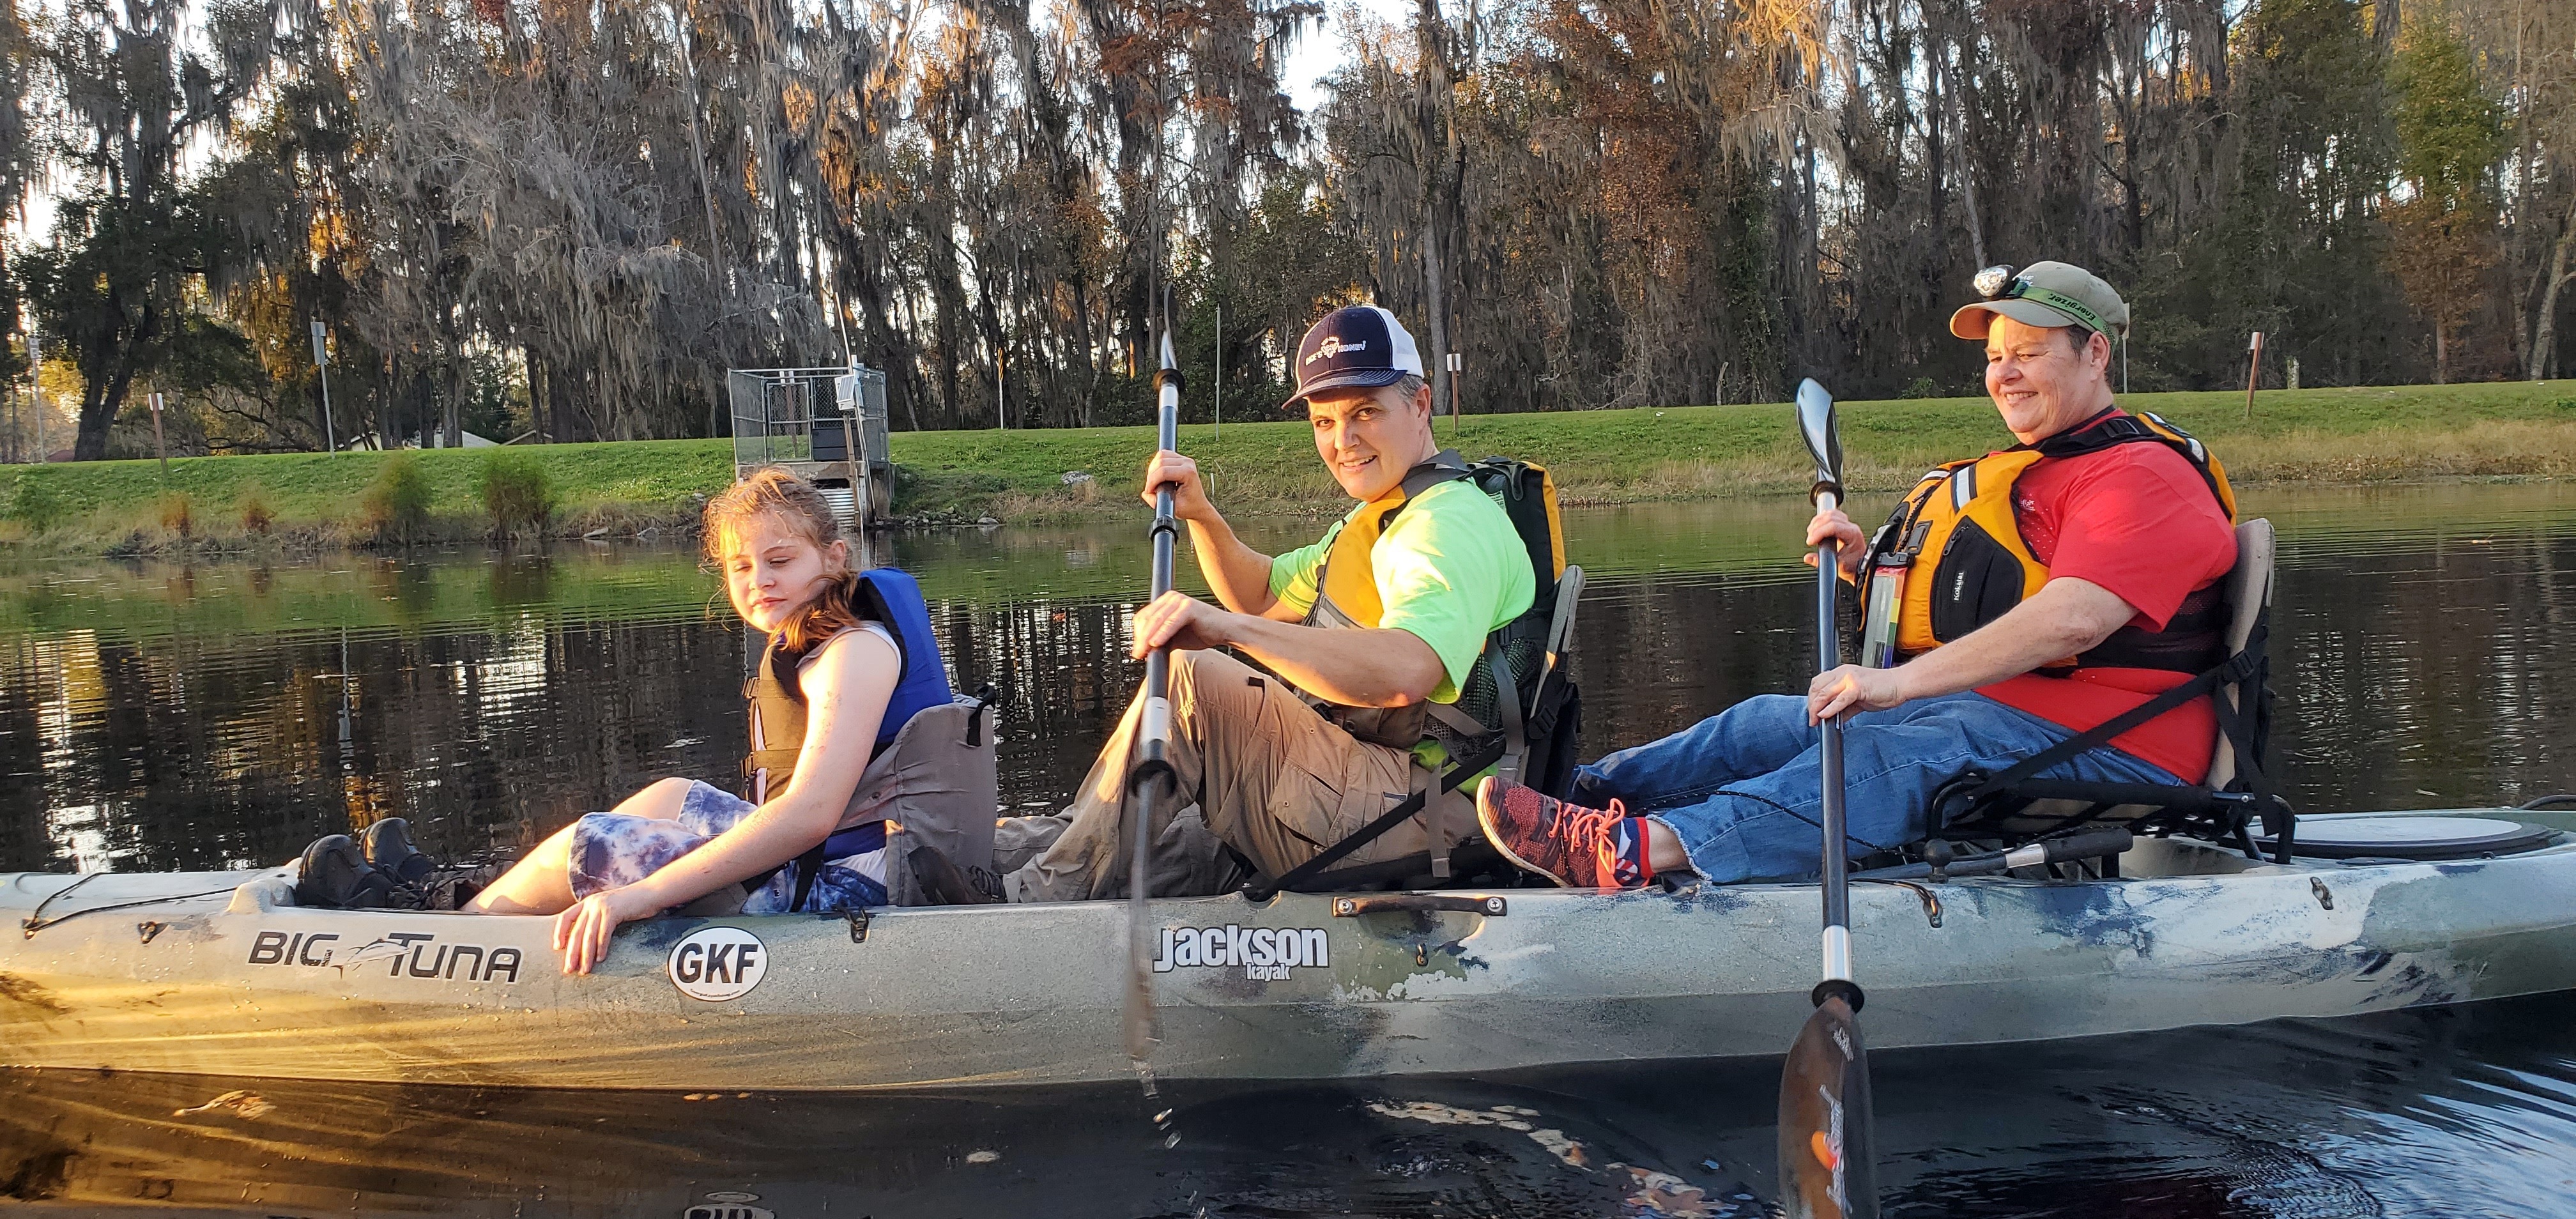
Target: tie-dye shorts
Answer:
pixel 611 849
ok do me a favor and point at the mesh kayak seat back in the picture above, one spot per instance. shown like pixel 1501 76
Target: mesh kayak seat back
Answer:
pixel 2013 806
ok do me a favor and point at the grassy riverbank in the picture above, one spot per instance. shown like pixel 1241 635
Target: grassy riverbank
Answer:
pixel 621 489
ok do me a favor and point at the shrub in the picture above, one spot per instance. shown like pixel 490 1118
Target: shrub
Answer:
pixel 37 505
pixel 257 514
pixel 517 492
pixel 178 513
pixel 1922 387
pixel 395 506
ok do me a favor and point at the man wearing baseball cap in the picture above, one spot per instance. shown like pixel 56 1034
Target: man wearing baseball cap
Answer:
pixel 1384 616
pixel 2017 600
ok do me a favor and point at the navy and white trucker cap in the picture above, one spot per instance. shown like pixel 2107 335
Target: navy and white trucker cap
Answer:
pixel 1354 347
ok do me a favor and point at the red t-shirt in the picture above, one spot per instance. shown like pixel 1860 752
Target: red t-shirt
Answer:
pixel 2138 520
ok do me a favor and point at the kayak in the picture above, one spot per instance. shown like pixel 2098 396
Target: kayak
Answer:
pixel 220 973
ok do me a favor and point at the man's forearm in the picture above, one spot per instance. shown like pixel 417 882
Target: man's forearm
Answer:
pixel 1239 575
pixel 2066 618
pixel 1353 667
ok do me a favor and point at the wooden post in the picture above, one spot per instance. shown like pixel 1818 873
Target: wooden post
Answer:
pixel 322 367
pixel 158 445
pixel 2253 371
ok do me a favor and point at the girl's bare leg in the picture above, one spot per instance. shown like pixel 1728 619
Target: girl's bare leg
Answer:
pixel 541 882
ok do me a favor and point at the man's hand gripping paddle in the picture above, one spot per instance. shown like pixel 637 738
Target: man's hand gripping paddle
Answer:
pixel 1826 1171
pixel 1152 779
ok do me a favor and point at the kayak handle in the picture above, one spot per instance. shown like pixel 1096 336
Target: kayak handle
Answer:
pixel 1382 903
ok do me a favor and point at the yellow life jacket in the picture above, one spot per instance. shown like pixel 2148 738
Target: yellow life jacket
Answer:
pixel 1346 596
pixel 1959 519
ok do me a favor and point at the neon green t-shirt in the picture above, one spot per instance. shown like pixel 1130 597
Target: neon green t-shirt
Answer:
pixel 1450 570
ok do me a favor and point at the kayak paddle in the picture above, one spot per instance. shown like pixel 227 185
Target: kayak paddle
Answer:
pixel 1153 774
pixel 1825 1167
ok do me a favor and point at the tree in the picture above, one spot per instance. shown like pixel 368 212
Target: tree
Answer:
pixel 2450 137
pixel 133 239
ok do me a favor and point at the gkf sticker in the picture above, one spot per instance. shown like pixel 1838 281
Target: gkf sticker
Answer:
pixel 718 963
pixel 1266 954
pixel 729 1204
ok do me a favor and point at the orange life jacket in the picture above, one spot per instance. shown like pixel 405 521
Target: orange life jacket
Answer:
pixel 1959 519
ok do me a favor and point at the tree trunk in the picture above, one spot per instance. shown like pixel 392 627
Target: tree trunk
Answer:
pixel 2544 338
pixel 1435 303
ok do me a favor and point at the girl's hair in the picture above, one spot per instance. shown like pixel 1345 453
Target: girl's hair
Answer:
pixel 777 494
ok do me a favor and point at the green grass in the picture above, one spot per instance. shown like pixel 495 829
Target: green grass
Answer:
pixel 2321 435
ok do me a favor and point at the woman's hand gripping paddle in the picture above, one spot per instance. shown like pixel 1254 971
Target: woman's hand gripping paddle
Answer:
pixel 1152 778
pixel 1826 1170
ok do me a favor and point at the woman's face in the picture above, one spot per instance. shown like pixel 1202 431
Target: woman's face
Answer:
pixel 771 570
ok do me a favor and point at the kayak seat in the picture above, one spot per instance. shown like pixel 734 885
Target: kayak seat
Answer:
pixel 1539 749
pixel 2012 807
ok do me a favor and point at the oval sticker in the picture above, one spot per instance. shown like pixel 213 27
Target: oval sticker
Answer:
pixel 718 963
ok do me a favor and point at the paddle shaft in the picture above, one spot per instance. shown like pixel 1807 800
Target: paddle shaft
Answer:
pixel 1153 772
pixel 1837 940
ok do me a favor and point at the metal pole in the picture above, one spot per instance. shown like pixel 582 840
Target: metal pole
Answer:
pixel 322 366
pixel 36 388
pixel 1219 383
pixel 158 445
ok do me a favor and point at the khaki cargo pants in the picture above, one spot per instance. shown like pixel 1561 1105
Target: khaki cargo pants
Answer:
pixel 1258 770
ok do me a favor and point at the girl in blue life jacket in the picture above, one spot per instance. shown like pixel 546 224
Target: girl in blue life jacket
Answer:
pixel 836 672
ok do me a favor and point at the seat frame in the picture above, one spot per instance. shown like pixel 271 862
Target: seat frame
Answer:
pixel 2012 807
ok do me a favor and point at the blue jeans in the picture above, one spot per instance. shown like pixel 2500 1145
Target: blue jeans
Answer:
pixel 1743 791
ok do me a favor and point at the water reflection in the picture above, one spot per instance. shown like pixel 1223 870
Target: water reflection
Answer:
pixel 2468 1111
pixel 159 716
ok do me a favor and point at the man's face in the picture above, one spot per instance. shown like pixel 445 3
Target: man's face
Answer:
pixel 2041 381
pixel 1368 438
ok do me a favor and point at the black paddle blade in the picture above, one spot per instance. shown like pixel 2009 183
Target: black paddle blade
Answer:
pixel 1824 440
pixel 1826 1169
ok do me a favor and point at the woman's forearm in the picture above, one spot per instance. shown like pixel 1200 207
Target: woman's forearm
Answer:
pixel 2065 618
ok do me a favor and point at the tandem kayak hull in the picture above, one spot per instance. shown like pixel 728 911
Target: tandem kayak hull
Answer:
pixel 238 983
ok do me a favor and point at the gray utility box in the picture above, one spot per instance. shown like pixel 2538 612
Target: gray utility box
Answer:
pixel 806 420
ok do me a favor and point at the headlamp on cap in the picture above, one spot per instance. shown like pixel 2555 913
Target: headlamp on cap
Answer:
pixel 2005 283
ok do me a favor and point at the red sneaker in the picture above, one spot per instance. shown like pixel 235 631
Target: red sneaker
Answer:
pixel 1577 847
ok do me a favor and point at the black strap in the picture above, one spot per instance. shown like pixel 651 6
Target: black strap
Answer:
pixel 2278 823
pixel 1261 891
pixel 2235 670
pixel 808 866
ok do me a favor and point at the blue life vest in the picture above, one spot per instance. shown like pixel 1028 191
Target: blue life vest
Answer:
pixel 887 595
pixel 898 604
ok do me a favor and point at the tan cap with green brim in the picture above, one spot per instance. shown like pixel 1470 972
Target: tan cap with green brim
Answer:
pixel 2048 294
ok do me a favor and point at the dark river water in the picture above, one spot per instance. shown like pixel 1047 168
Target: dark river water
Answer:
pixel 157 716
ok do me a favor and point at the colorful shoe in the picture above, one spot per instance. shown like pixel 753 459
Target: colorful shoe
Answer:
pixel 1577 847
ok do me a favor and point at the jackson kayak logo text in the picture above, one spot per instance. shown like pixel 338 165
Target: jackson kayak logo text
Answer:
pixel 1266 954
pixel 407 954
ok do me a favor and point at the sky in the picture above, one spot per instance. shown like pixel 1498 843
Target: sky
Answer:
pixel 1320 51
